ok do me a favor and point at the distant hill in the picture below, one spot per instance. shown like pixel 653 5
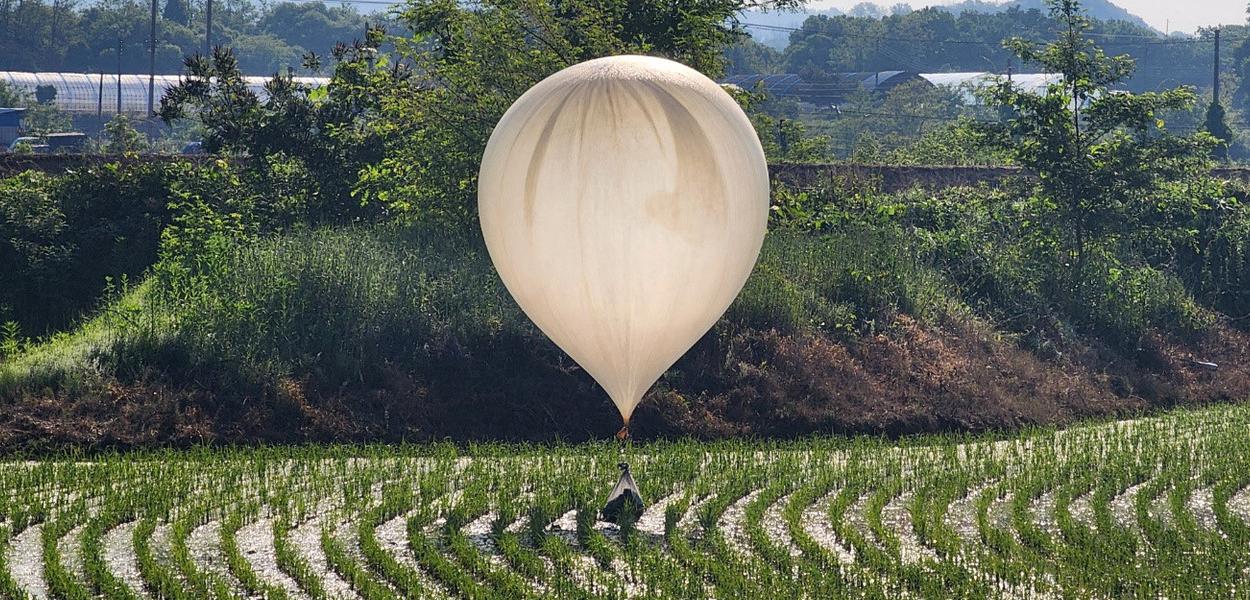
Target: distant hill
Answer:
pixel 1099 9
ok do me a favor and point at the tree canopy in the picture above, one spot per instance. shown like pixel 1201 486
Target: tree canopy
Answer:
pixel 52 35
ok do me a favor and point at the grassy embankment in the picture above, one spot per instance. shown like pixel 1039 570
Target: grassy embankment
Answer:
pixel 893 314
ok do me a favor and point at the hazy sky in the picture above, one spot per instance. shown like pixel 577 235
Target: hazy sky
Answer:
pixel 1176 15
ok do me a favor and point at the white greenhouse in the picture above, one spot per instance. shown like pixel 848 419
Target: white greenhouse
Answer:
pixel 96 92
pixel 968 83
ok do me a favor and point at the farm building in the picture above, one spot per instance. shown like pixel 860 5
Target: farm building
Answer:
pixel 96 93
pixel 10 124
pixel 829 92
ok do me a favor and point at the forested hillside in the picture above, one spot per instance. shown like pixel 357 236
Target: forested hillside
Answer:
pixel 1103 10
pixel 939 40
pixel 39 35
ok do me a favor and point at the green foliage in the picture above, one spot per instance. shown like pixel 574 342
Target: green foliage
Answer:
pixel 45 118
pixel 11 341
pixel 959 143
pixel 911 124
pixel 991 252
pixel 854 279
pixel 60 237
pixel 41 115
pixel 309 143
pixel 477 60
pixel 49 35
pixel 749 57
pixel 176 11
pixel 209 209
pixel 1216 124
pixel 11 96
pixel 912 41
pixel 63 237
pixel 1104 162
pixel 344 301
pixel 1213 255
pixel 1122 236
pixel 121 137
pixel 785 140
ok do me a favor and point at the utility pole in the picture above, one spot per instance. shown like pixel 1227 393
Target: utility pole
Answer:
pixel 152 59
pixel 782 142
pixel 119 75
pixel 99 101
pixel 1215 87
pixel 208 28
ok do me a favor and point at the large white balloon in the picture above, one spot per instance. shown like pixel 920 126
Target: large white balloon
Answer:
pixel 624 201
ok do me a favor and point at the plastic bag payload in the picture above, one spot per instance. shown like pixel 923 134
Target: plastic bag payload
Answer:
pixel 624 498
pixel 624 201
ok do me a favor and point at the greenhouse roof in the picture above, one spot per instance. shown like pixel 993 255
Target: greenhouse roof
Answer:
pixel 89 92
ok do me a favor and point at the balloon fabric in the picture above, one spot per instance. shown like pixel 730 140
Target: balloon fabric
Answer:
pixel 624 201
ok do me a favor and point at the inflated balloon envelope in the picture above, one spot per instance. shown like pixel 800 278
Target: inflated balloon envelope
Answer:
pixel 624 201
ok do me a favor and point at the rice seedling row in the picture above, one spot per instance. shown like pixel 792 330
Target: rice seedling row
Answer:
pixel 1154 507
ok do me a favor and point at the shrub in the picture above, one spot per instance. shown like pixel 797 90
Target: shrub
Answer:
pixel 62 237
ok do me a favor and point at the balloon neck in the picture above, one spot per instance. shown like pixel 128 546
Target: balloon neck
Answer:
pixel 623 434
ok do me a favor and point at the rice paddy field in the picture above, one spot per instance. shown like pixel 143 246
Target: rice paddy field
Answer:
pixel 1156 507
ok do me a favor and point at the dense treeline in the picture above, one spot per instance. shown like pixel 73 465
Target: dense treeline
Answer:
pixel 936 40
pixel 52 35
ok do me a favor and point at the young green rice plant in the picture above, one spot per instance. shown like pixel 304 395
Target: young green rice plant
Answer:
pixel 1167 516
pixel 363 582
pixel 291 562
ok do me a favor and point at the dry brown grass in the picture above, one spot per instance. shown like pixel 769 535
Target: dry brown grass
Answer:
pixel 959 375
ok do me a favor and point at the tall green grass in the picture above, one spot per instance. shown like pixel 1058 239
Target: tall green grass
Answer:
pixel 346 303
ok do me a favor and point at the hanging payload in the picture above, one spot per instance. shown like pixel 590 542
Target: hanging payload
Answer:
pixel 624 201
pixel 625 499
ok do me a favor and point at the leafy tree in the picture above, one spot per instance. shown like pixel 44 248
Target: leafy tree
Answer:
pixel 1216 124
pixel 317 137
pixel 55 35
pixel 475 60
pixel 914 41
pixel 265 54
pixel 10 96
pixel 310 25
pixel 784 138
pixel 749 57
pixel 380 140
pixel 955 143
pixel 177 11
pixel 1103 159
pixel 45 118
pixel 121 137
